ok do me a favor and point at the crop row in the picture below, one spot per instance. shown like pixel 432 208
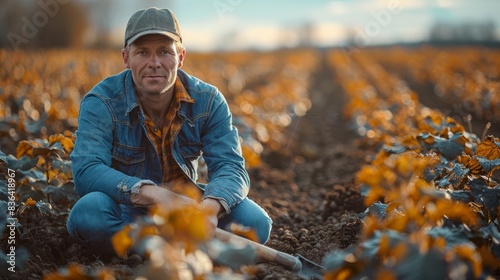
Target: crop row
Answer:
pixel 471 76
pixel 432 203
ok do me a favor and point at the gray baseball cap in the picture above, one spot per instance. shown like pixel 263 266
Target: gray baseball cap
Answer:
pixel 152 21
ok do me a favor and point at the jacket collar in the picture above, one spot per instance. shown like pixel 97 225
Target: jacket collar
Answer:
pixel 132 101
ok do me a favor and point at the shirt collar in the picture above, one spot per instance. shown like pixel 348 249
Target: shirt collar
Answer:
pixel 181 94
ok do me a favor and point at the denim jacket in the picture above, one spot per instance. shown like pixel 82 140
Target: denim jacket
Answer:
pixel 114 155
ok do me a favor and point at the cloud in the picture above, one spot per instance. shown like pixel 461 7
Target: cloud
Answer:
pixel 327 34
pixel 263 36
pixel 234 37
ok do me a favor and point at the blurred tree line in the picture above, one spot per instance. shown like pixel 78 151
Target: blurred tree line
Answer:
pixel 42 23
pixel 463 33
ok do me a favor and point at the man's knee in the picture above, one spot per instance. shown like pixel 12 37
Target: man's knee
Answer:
pixel 263 228
pixel 91 212
pixel 93 220
pixel 250 214
pixel 94 203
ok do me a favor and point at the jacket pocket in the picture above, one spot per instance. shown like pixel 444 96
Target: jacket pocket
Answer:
pixel 128 160
pixel 191 151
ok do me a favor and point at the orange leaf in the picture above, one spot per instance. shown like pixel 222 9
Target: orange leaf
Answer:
pixel 66 142
pixel 244 232
pixel 24 148
pixel 489 148
pixel 457 211
pixel 472 256
pixel 489 260
pixel 30 202
pixel 385 274
pixel 122 241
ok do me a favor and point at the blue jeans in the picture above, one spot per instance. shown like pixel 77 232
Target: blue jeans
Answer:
pixel 96 217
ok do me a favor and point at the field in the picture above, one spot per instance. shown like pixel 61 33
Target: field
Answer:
pixel 379 163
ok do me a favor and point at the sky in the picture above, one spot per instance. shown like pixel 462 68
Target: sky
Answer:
pixel 238 24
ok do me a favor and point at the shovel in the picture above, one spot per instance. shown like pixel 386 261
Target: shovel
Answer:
pixel 298 264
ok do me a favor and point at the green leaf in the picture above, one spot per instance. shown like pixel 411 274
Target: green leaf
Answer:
pixel 431 173
pixel 394 149
pixel 487 197
pixel 416 266
pixel 57 146
pixel 68 190
pixel 33 127
pixel 365 189
pixel 44 207
pixel 453 236
pixel 21 256
pixel 449 148
pixel 462 196
pixel 490 231
pixel 32 175
pixel 26 191
pixel 495 249
pixel 488 165
pixel 61 194
pixel 413 265
pixel 378 209
pixel 3 215
pixel 23 164
pixel 62 165
pixel 3 191
pixel 372 245
pixel 335 259
pixel 457 174
pixel 55 182
pixel 454 176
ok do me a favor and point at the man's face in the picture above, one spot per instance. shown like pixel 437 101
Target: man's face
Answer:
pixel 153 60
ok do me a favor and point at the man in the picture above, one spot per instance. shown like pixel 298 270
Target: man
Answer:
pixel 145 129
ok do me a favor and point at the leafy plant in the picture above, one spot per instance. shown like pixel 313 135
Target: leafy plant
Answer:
pixel 43 171
pixel 432 202
pixel 39 177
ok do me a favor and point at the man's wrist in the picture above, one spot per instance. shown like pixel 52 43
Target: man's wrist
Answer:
pixel 214 206
pixel 142 196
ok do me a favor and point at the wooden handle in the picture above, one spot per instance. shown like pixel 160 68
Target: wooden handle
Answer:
pixel 263 252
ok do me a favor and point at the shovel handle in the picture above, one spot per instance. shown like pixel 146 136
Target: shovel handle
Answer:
pixel 263 252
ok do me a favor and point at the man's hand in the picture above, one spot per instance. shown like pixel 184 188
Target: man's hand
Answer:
pixel 151 194
pixel 213 208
